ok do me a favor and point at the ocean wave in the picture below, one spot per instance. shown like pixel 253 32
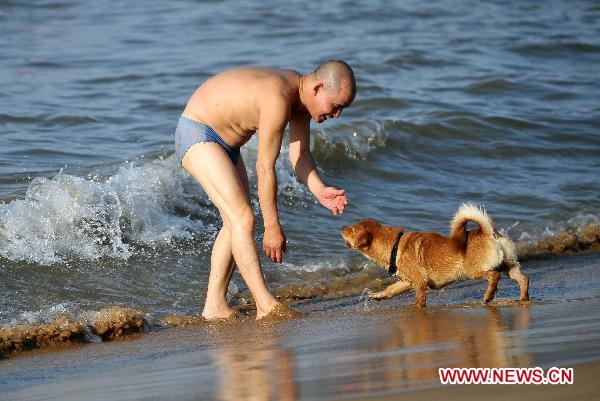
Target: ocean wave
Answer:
pixel 330 146
pixel 349 141
pixel 495 86
pixel 68 217
pixel 548 49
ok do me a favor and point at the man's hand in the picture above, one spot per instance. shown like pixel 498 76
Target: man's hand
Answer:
pixel 333 199
pixel 274 243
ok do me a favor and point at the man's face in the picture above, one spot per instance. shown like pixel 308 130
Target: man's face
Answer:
pixel 328 104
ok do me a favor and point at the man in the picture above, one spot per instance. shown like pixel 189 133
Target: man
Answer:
pixel 222 115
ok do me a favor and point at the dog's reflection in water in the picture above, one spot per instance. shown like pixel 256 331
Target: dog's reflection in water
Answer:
pixel 407 352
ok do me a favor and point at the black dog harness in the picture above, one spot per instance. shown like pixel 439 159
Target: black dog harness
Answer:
pixel 392 268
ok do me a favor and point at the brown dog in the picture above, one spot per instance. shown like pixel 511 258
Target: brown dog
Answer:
pixel 428 260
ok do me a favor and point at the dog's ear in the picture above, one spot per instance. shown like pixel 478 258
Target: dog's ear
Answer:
pixel 363 241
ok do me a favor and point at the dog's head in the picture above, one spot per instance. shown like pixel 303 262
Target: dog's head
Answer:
pixel 372 239
pixel 359 236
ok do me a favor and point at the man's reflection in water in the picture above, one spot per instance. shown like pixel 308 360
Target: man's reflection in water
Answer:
pixel 266 373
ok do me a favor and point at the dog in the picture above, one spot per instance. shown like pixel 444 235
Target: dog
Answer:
pixel 424 260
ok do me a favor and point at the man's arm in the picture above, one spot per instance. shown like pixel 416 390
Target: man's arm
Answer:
pixel 304 165
pixel 300 156
pixel 274 114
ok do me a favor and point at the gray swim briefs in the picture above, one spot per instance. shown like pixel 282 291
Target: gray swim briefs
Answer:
pixel 190 132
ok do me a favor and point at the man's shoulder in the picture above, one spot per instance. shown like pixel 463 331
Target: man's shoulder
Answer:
pixel 278 89
pixel 282 79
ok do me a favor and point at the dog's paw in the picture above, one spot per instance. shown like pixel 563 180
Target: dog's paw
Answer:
pixel 378 295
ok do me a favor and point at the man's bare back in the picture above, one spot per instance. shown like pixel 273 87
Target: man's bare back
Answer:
pixel 230 101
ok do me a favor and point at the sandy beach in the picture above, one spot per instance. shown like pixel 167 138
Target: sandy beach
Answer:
pixel 344 348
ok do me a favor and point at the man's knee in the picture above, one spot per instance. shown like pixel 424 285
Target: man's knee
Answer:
pixel 243 219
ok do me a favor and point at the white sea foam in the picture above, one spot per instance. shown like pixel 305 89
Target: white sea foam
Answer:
pixel 44 315
pixel 315 266
pixel 69 217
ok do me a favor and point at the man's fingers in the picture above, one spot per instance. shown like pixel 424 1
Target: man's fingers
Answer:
pixel 342 200
pixel 276 254
pixel 339 206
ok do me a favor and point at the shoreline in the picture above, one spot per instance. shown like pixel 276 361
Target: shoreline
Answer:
pixel 116 322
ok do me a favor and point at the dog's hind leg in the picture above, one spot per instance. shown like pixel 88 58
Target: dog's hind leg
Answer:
pixel 492 278
pixel 513 270
pixel 391 290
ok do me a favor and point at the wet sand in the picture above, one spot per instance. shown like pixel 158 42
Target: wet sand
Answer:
pixel 586 387
pixel 344 348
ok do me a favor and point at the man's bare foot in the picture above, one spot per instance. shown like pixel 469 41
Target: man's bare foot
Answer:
pixel 278 312
pixel 266 307
pixel 224 312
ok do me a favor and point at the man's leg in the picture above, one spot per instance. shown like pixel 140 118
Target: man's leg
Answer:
pixel 211 166
pixel 221 269
pixel 222 264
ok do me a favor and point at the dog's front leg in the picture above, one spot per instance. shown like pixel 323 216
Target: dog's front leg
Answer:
pixel 391 290
pixel 421 290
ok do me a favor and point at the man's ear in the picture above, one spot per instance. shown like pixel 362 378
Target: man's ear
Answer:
pixel 364 240
pixel 317 87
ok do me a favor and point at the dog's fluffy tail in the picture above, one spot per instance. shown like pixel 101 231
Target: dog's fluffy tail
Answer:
pixel 470 212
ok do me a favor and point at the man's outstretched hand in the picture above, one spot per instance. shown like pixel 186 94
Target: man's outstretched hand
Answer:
pixel 333 199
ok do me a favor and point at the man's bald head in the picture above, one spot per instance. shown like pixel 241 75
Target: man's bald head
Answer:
pixel 335 75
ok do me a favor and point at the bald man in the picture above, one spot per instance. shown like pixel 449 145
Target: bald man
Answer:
pixel 220 117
